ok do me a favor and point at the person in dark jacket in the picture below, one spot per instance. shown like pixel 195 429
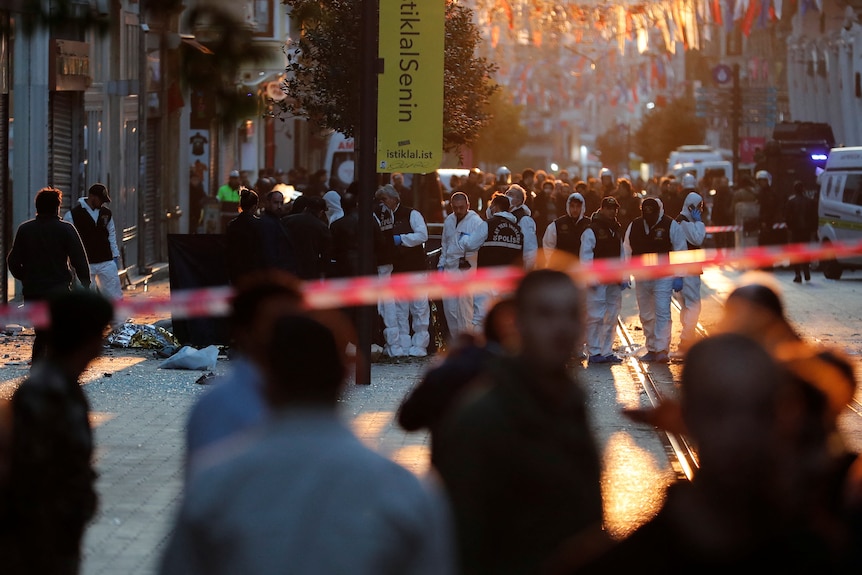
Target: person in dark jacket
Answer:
pixel 95 224
pixel 801 212
pixel 426 406
pixel 278 250
pixel 42 251
pixel 345 236
pixel 245 240
pixel 516 453
pixel 310 235
pixel 50 496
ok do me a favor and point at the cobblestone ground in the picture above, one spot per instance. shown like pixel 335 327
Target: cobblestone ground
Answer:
pixel 139 413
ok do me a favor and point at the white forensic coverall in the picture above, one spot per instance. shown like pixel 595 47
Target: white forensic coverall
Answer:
pixel 653 296
pixel 603 303
pixel 689 298
pixel 459 310
pixel 417 310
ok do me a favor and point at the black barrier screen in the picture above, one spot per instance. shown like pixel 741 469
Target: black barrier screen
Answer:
pixel 197 261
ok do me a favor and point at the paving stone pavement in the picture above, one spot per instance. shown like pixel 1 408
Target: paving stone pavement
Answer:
pixel 140 413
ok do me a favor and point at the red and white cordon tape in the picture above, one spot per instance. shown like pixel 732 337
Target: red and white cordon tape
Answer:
pixel 717 229
pixel 368 290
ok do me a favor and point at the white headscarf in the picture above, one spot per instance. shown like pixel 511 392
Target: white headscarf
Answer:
pixel 333 205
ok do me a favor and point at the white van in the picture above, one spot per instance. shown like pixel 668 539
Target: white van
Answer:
pixel 713 168
pixel 691 154
pixel 840 206
pixel 340 162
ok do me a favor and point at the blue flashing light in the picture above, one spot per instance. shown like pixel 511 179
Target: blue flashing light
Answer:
pixel 818 157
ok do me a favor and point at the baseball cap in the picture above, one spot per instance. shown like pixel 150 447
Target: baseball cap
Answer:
pixel 101 192
pixel 234 173
pixel 610 202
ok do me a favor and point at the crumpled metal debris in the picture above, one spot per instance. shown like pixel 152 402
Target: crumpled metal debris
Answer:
pixel 142 336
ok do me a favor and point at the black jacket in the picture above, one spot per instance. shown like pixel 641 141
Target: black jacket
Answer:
pixel 278 250
pixel 244 246
pixel 41 253
pixel 313 243
pixel 345 242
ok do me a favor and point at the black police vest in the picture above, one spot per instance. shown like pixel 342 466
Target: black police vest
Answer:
pixel 406 259
pixel 504 245
pixel 680 219
pixel 657 241
pixel 608 238
pixel 384 247
pixel 569 233
pixel 94 235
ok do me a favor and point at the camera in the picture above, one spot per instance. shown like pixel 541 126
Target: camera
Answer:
pixel 463 264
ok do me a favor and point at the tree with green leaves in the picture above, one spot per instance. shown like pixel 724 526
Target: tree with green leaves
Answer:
pixel 324 70
pixel 666 128
pixel 613 147
pixel 504 135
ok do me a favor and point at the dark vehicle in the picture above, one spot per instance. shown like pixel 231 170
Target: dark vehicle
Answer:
pixel 797 151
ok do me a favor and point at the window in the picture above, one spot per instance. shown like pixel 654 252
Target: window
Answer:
pixel 262 15
pixel 853 189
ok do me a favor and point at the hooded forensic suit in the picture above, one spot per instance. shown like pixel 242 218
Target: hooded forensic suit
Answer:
pixel 661 237
pixel 454 259
pixel 689 219
pixel 602 240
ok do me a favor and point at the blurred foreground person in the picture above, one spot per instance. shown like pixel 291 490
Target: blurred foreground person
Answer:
pixel 820 479
pixel 50 496
pixel 235 402
pixel 303 495
pixel 428 403
pixel 517 455
pixel 733 515
pixel 755 308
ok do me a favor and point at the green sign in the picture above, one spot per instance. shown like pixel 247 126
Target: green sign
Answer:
pixel 410 89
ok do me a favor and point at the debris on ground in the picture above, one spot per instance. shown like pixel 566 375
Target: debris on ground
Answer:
pixel 191 358
pixel 142 336
pixel 206 378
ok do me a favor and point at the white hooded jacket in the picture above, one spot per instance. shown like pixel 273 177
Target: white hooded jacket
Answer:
pixel 695 232
pixel 450 250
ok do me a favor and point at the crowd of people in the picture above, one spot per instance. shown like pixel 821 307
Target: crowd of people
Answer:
pixel 275 480
pixel 500 218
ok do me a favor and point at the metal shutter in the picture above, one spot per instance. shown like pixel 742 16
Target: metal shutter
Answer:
pixel 150 218
pixel 61 144
pixel 5 196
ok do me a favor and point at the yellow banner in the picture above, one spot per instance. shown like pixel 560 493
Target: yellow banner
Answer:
pixel 410 89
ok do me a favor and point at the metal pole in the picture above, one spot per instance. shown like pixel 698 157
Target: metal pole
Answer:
pixel 735 120
pixel 367 167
